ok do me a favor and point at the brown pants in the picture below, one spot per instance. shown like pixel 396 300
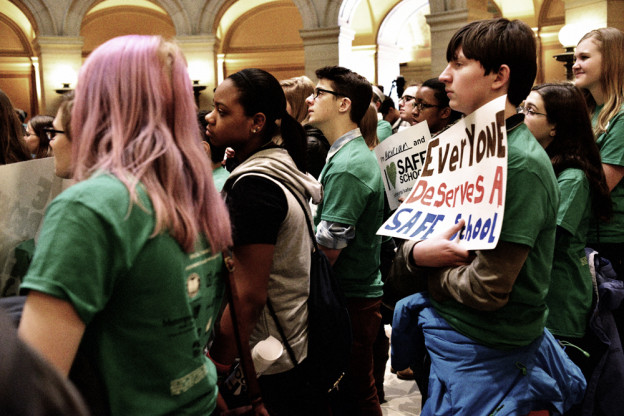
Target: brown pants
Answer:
pixel 359 396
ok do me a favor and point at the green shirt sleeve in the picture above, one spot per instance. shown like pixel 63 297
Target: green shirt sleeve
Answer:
pixel 611 142
pixel 574 189
pixel 74 258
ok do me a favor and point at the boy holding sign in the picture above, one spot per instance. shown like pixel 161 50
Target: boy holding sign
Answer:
pixel 486 312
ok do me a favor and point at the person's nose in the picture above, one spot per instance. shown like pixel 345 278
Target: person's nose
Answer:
pixel 445 76
pixel 209 117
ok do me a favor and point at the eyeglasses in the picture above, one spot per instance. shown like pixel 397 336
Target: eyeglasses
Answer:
pixel 421 106
pixel 318 91
pixel 406 98
pixel 50 132
pixel 530 112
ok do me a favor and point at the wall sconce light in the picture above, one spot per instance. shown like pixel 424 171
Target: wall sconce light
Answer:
pixel 197 89
pixel 65 89
pixel 569 36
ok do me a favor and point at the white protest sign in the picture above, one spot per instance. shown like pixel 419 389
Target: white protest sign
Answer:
pixel 464 176
pixel 401 158
pixel 26 188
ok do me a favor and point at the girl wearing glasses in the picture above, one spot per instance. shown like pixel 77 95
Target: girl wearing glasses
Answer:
pixel 272 244
pixel 599 70
pixel 557 116
pixel 128 267
pixel 59 136
pixel 36 138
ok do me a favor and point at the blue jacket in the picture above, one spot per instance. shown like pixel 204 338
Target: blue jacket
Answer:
pixel 605 388
pixel 470 379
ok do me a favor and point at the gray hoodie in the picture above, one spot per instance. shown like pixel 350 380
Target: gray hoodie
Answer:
pixel 289 282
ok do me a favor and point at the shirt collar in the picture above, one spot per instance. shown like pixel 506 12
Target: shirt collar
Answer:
pixel 514 121
pixel 342 140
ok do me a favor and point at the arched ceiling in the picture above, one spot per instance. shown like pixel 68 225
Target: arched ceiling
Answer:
pixel 235 11
pixel 18 17
pixel 114 3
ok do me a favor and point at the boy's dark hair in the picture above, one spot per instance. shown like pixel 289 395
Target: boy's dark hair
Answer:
pixel 497 42
pixel 351 85
pixel 387 104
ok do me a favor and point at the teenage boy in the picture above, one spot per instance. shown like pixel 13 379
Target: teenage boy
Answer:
pixel 483 320
pixel 348 218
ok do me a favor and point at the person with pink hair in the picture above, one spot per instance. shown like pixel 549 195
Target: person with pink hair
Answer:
pixel 128 265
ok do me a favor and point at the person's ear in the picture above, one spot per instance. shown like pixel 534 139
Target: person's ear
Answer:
pixel 345 104
pixel 445 112
pixel 502 77
pixel 206 148
pixel 258 122
pixel 553 131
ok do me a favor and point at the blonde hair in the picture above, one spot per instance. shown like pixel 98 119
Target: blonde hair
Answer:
pixel 297 89
pixel 134 117
pixel 610 42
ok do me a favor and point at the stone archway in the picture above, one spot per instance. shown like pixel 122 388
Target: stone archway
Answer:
pixel 40 13
pixel 79 8
pixel 214 9
pixel 406 18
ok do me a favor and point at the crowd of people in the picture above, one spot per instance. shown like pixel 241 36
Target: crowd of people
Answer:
pixel 125 293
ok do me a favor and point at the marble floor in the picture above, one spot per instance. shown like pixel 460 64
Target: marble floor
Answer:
pixel 403 397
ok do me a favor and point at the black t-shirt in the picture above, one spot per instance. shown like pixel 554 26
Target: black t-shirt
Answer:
pixel 257 208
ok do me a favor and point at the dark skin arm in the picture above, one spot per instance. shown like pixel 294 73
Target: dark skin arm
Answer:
pixel 252 266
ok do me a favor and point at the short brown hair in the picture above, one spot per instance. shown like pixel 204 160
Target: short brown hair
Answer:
pixel 497 42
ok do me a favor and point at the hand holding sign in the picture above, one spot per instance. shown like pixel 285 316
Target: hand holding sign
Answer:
pixel 441 251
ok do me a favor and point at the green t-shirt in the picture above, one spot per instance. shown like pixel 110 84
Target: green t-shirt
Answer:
pixel 220 175
pixel 611 145
pixel 569 299
pixel 354 195
pixel 384 130
pixel 148 306
pixel 531 204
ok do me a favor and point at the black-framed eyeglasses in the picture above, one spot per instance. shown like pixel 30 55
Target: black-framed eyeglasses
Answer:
pixel 318 91
pixel 50 132
pixel 421 106
pixel 531 112
pixel 406 98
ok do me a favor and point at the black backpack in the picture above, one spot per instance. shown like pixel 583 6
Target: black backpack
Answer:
pixel 329 325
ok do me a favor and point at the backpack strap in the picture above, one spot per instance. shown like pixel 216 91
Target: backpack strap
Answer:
pixel 295 194
pixel 280 329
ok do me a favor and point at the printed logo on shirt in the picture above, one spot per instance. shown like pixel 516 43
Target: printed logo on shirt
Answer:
pixel 183 384
pixel 192 285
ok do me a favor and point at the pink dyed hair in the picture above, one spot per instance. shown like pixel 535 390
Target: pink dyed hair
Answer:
pixel 134 117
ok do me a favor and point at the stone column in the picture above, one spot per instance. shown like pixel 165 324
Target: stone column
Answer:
pixel 200 52
pixel 325 47
pixel 446 17
pixel 60 58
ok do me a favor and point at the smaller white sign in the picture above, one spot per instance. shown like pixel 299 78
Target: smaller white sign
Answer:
pixel 401 158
